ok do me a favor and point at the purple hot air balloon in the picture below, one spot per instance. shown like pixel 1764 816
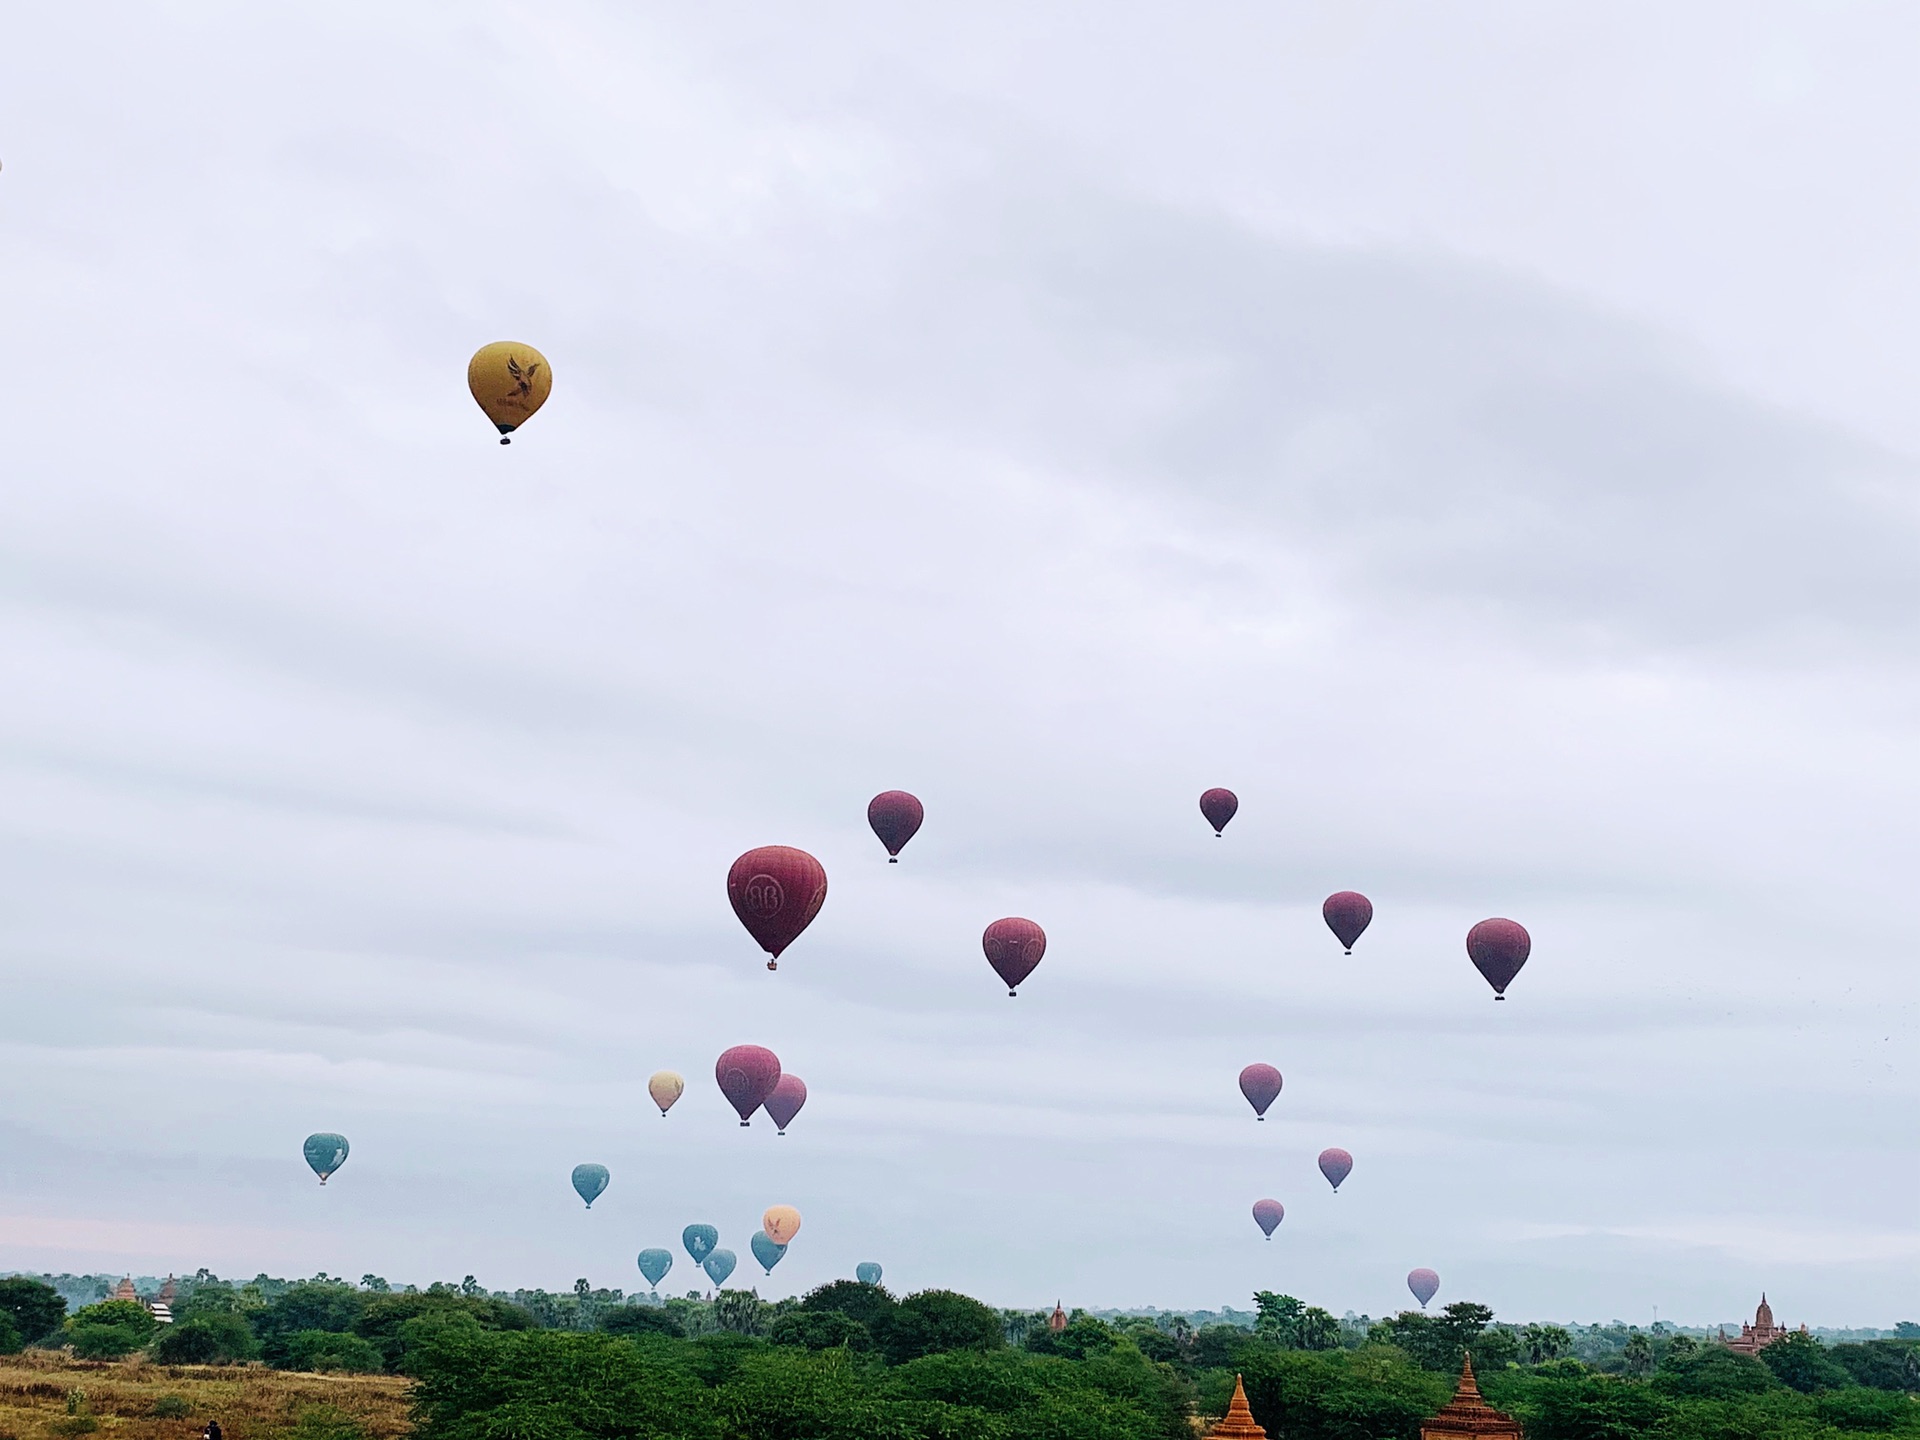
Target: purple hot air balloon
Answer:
pixel 895 817
pixel 1219 806
pixel 1347 914
pixel 776 891
pixel 747 1076
pixel 789 1094
pixel 1014 946
pixel 1261 1085
pixel 1268 1214
pixel 1336 1164
pixel 1424 1284
pixel 1499 948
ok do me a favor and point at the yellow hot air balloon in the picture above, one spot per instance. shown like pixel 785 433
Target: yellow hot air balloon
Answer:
pixel 665 1088
pixel 782 1223
pixel 509 381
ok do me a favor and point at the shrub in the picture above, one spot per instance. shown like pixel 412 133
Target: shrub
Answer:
pixel 331 1305
pixel 110 1329
pixel 35 1309
pixel 12 1342
pixel 171 1407
pixel 1802 1362
pixel 211 1339
pixel 327 1350
pixel 388 1320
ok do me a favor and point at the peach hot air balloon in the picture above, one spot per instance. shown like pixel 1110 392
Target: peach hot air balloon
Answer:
pixel 509 382
pixel 665 1087
pixel 781 1223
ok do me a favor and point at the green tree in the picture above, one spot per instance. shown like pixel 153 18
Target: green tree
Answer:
pixel 382 1318
pixel 1591 1407
pixel 632 1320
pixel 1882 1364
pixel 1293 1326
pixel 332 1350
pixel 737 1311
pixel 865 1303
pixel 934 1321
pixel 1677 1350
pixel 1083 1336
pixel 331 1305
pixel 1373 1392
pixel 1540 1344
pixel 1714 1372
pixel 820 1330
pixel 35 1308
pixel 1439 1342
pixel 1802 1362
pixel 1638 1354
pixel 211 1339
pixel 110 1329
pixel 11 1340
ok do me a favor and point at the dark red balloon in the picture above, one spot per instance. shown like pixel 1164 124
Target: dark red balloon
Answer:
pixel 747 1076
pixel 1347 914
pixel 895 817
pixel 776 891
pixel 1498 949
pixel 785 1101
pixel 1261 1085
pixel 1014 946
pixel 1219 806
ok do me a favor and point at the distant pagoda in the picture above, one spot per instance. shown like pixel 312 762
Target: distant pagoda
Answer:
pixel 1057 1321
pixel 1761 1333
pixel 1238 1423
pixel 1469 1417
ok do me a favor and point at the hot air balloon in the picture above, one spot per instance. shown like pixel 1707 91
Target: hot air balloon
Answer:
pixel 1261 1085
pixel 776 891
pixel 509 381
pixel 1336 1164
pixel 867 1273
pixel 654 1264
pixel 699 1240
pixel 895 817
pixel 766 1251
pixel 1424 1284
pixel 665 1087
pixel 1268 1214
pixel 789 1094
pixel 1347 914
pixel 782 1223
pixel 747 1075
pixel 1219 806
pixel 326 1153
pixel 589 1181
pixel 1014 946
pixel 1499 948
pixel 719 1265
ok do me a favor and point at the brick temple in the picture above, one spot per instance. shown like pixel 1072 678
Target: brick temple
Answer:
pixel 1238 1423
pixel 1468 1417
pixel 1761 1333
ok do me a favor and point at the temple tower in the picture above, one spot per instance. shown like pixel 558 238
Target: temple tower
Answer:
pixel 1238 1423
pixel 1469 1417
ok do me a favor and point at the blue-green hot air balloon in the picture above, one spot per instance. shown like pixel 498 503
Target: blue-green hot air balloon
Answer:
pixel 867 1273
pixel 719 1265
pixel 654 1264
pixel 766 1251
pixel 326 1153
pixel 699 1240
pixel 589 1181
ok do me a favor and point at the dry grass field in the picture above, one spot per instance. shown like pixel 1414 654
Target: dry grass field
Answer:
pixel 44 1396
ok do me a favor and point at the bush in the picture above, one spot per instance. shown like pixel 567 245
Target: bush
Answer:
pixel 331 1305
pixel 208 1340
pixel 933 1322
pixel 1715 1373
pixel 171 1407
pixel 110 1329
pixel 633 1320
pixel 327 1350
pixel 1882 1364
pixel 820 1330
pixel 1333 1394
pixel 1802 1362
pixel 35 1309
pixel 12 1342
pixel 388 1320
pixel 1083 1336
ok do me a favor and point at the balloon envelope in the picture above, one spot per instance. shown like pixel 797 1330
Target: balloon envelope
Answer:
pixel 867 1273
pixel 1498 949
pixel 747 1075
pixel 766 1251
pixel 776 891
pixel 1336 1164
pixel 1014 946
pixel 719 1265
pixel 1268 1214
pixel 1347 914
pixel 1261 1085
pixel 665 1087
pixel 1219 806
pixel 325 1152
pixel 789 1094
pixel 895 817
pixel 1424 1284
pixel 781 1223
pixel 654 1264
pixel 699 1240
pixel 589 1181
pixel 509 382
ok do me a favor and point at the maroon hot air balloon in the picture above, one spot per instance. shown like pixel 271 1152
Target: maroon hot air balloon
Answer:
pixel 895 817
pixel 789 1094
pixel 1268 1214
pixel 1219 806
pixel 1347 914
pixel 1261 1085
pixel 1336 1164
pixel 1014 946
pixel 776 891
pixel 1424 1284
pixel 1499 948
pixel 747 1076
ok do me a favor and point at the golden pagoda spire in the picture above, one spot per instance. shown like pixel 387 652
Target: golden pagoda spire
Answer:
pixel 1238 1423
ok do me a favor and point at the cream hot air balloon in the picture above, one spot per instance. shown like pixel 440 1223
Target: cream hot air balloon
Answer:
pixel 665 1087
pixel 509 382
pixel 782 1223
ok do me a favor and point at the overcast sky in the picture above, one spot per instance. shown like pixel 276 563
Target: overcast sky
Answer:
pixel 1482 437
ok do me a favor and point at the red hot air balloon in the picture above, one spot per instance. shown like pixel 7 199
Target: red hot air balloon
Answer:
pixel 776 891
pixel 1347 914
pixel 1268 1214
pixel 1261 1085
pixel 1336 1164
pixel 789 1094
pixel 1014 946
pixel 747 1076
pixel 1219 806
pixel 895 817
pixel 1499 948
pixel 1424 1284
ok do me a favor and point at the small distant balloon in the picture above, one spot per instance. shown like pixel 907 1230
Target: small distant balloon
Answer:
pixel 867 1273
pixel 326 1153
pixel 1261 1085
pixel 1268 1214
pixel 699 1240
pixel 789 1094
pixel 509 382
pixel 1014 946
pixel 665 1087
pixel 1498 949
pixel 747 1075
pixel 781 1223
pixel 766 1251
pixel 1424 1284
pixel 895 817
pixel 1219 806
pixel 1336 1164
pixel 1347 914
pixel 776 891
pixel 654 1264
pixel 719 1265
pixel 589 1181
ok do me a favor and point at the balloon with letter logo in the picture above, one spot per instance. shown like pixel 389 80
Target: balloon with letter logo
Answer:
pixel 1014 946
pixel 654 1264
pixel 1424 1284
pixel 699 1240
pixel 867 1273
pixel 665 1087
pixel 589 1181
pixel 1347 914
pixel 509 382
pixel 766 1251
pixel 747 1075
pixel 776 891
pixel 1261 1085
pixel 789 1094
pixel 719 1265
pixel 1498 949
pixel 1268 1214
pixel 1336 1164
pixel 895 817
pixel 1219 806
pixel 782 1223
pixel 326 1153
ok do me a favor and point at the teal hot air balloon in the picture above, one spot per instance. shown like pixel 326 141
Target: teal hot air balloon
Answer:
pixel 326 1153
pixel 766 1251
pixel 719 1265
pixel 699 1240
pixel 589 1181
pixel 867 1273
pixel 654 1264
